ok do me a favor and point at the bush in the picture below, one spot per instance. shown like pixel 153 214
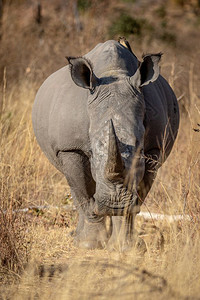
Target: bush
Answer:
pixel 161 12
pixel 168 37
pixel 126 25
pixel 84 4
pixel 129 1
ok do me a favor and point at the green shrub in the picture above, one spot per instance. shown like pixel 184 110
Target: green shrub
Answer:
pixel 129 1
pixel 161 12
pixel 168 37
pixel 126 25
pixel 84 4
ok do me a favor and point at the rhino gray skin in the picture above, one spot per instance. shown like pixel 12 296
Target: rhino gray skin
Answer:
pixel 107 122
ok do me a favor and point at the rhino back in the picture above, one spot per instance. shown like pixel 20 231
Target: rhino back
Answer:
pixel 60 119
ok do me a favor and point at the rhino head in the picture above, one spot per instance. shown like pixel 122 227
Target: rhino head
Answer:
pixel 116 111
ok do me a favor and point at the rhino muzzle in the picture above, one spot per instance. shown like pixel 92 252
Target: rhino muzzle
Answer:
pixel 124 199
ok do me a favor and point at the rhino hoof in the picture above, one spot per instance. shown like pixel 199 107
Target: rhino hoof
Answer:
pixel 119 246
pixel 90 245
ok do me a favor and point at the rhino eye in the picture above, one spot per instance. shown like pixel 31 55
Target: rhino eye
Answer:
pixel 92 91
pixel 137 144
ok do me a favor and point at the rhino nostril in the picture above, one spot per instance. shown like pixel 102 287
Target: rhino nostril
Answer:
pixel 95 209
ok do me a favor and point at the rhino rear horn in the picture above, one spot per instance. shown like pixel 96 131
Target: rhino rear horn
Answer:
pixel 114 168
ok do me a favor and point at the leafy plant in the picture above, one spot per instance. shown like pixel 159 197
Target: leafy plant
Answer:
pixel 168 37
pixel 161 12
pixel 126 25
pixel 83 5
pixel 129 1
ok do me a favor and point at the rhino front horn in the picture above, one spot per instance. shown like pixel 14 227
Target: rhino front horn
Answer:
pixel 114 168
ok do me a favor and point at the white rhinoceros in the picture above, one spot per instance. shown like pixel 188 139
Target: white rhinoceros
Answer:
pixel 107 122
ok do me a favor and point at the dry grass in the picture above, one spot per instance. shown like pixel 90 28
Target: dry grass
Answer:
pixel 56 269
pixel 37 256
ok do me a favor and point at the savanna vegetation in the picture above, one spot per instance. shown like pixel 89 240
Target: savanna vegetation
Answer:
pixel 37 257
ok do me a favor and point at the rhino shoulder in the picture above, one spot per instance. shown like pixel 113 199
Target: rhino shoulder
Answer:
pixel 59 111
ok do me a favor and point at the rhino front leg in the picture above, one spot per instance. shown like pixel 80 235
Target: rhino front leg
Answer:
pixel 122 233
pixel 91 230
pixel 124 237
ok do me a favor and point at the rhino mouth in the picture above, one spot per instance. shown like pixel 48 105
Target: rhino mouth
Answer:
pixel 122 200
pixel 114 207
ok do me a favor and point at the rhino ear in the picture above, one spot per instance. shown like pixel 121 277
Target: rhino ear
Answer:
pixel 148 70
pixel 82 72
